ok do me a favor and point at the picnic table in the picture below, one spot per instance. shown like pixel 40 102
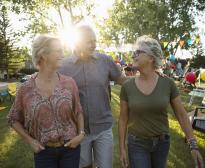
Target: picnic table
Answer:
pixel 196 93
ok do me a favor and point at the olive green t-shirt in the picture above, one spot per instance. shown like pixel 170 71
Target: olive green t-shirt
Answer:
pixel 148 113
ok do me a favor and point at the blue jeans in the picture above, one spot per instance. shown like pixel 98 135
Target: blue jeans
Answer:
pixel 97 148
pixel 148 153
pixel 59 157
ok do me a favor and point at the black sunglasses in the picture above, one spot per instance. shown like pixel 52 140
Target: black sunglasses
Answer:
pixel 136 53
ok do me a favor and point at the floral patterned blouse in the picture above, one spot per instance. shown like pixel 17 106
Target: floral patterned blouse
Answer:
pixel 50 118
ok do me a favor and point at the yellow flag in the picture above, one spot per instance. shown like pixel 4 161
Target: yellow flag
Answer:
pixel 197 39
pixel 165 44
pixel 181 43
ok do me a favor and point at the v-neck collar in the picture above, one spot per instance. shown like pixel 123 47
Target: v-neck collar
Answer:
pixel 38 91
pixel 152 92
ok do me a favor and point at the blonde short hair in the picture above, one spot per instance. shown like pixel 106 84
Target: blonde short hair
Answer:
pixel 151 47
pixel 41 45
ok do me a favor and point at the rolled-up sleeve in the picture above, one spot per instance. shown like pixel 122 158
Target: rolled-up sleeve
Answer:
pixel 16 112
pixel 114 71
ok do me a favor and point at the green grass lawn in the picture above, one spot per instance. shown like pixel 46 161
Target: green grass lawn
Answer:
pixel 15 153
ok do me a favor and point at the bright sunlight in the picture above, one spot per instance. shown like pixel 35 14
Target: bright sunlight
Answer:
pixel 69 36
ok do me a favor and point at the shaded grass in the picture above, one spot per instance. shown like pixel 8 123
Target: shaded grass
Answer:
pixel 115 109
pixel 15 153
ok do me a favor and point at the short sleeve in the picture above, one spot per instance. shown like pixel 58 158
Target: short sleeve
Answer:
pixel 114 71
pixel 174 90
pixel 16 113
pixel 123 94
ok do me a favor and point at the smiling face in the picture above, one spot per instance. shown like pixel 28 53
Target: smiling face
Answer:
pixel 148 53
pixel 54 55
pixel 141 59
pixel 87 42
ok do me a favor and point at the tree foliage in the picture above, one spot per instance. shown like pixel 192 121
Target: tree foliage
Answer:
pixel 167 20
pixel 49 16
pixel 198 60
pixel 38 16
pixel 9 56
pixel 76 9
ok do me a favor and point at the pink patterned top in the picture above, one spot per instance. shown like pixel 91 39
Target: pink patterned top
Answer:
pixel 51 118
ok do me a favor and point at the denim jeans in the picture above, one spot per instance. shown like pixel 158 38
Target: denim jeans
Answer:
pixel 97 148
pixel 148 153
pixel 57 157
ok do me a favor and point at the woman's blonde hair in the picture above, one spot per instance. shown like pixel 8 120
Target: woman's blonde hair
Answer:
pixel 151 47
pixel 41 45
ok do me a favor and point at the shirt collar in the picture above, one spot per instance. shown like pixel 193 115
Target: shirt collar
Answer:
pixel 76 58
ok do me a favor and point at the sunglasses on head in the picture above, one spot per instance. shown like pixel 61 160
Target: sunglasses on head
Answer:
pixel 136 53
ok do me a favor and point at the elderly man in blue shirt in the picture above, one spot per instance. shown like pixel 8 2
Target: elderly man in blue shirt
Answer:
pixel 92 72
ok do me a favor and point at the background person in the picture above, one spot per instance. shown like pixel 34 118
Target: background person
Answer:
pixel 179 71
pixel 128 71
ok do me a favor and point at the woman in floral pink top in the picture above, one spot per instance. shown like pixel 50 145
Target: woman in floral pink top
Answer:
pixel 47 111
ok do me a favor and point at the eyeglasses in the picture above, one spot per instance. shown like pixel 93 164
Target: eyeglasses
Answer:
pixel 137 53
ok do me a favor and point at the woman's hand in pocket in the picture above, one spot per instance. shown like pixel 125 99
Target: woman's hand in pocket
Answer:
pixel 36 146
pixel 73 143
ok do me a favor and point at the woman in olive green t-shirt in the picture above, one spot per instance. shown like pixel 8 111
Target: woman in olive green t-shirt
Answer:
pixel 143 111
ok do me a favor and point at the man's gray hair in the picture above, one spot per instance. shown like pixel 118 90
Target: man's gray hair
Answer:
pixel 151 47
pixel 83 31
pixel 41 45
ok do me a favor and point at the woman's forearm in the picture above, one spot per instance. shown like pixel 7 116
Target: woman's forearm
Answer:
pixel 122 129
pixel 182 117
pixel 185 125
pixel 80 123
pixel 21 131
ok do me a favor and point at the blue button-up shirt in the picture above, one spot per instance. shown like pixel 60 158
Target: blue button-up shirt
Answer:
pixel 92 77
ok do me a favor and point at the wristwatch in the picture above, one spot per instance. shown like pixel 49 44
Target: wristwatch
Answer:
pixel 82 132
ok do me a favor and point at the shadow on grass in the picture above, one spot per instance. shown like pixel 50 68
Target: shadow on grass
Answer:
pixel 179 154
pixel 4 128
pixel 115 110
pixel 14 152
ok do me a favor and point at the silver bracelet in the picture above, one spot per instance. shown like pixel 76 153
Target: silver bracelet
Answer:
pixel 192 144
pixel 82 132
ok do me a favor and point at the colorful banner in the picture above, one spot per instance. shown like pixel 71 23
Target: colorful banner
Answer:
pixel 181 43
pixel 172 57
pixel 197 39
pixel 165 44
pixel 190 42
